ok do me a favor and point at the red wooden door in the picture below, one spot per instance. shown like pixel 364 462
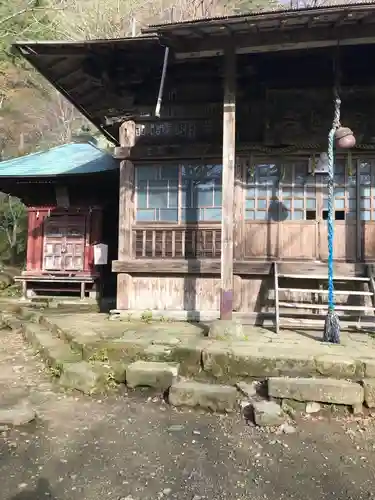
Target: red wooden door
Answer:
pixel 64 243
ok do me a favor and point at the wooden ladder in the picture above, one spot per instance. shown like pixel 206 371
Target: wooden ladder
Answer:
pixel 323 293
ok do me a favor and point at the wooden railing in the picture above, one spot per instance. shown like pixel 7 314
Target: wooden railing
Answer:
pixel 177 243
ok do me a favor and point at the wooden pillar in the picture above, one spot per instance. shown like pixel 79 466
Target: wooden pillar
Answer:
pixel 126 214
pixel 229 160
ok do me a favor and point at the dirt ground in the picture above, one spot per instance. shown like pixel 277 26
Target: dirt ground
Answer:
pixel 135 447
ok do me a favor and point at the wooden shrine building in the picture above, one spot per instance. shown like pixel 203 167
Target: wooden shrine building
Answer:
pixel 222 208
pixel 68 190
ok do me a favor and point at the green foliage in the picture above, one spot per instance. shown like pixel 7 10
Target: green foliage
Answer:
pixel 13 230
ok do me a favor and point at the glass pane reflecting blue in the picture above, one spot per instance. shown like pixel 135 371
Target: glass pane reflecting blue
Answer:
pixel 352 204
pixel 352 192
pixel 201 171
pixel 365 203
pixel 310 204
pixel 261 215
pixel 262 204
pixel 365 215
pixel 339 192
pixel 217 196
pixel 287 193
pixel 287 204
pixel 340 179
pixel 340 204
pixel 249 214
pixel 169 172
pixel 147 173
pixel 173 194
pixel 298 215
pixel 158 194
pixel 250 203
pixel 250 193
pixel 204 194
pixel 212 214
pixel 365 190
pixel 325 204
pixel 142 194
pixel 168 215
pixel 298 204
pixel 365 179
pixel 298 192
pixel 145 215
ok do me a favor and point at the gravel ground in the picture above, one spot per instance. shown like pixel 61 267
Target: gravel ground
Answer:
pixel 135 447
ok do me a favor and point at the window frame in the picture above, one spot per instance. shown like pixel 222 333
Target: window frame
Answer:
pixel 180 219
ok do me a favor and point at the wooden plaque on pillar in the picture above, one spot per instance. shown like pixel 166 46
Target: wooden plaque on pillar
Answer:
pixel 229 160
pixel 126 216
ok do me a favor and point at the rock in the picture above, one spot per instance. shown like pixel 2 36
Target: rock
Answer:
pixel 288 429
pixel 369 368
pixel 369 388
pixel 242 361
pixel 323 390
pixel 158 375
pixel 19 414
pixel 248 390
pixel 312 407
pixel 222 329
pixel 176 428
pixel 267 413
pixel 209 396
pixel 85 377
pixel 335 366
pixel 156 352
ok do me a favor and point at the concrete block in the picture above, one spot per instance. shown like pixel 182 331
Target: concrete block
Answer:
pixel 189 357
pixel 369 388
pixel 268 413
pixel 209 396
pixel 158 375
pixel 324 390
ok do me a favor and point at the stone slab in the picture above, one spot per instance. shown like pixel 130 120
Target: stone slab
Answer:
pixel 53 350
pixel 369 368
pixel 244 361
pixel 267 413
pixel 369 388
pixel 331 365
pixel 189 357
pixel 85 377
pixel 322 390
pixel 158 375
pixel 222 398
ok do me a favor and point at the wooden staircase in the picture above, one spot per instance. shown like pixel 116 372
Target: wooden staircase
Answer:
pixel 353 281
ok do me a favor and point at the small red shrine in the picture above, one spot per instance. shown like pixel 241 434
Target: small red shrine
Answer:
pixel 67 191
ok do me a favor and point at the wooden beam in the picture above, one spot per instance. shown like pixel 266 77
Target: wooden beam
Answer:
pixel 126 215
pixel 275 40
pixel 229 161
pixel 189 266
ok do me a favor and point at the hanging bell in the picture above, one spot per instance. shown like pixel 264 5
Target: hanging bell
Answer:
pixel 344 138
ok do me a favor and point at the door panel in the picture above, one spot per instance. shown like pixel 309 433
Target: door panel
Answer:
pixel 64 243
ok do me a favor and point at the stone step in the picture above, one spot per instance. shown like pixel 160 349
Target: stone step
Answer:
pixel 55 352
pixel 322 390
pixel 155 374
pixel 222 398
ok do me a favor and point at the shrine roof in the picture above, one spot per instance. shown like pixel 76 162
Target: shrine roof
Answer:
pixel 68 159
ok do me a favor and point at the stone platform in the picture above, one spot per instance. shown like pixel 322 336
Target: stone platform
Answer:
pixel 88 343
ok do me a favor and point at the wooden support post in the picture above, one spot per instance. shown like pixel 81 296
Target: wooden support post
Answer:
pixel 126 215
pixel 229 160
pixel 83 290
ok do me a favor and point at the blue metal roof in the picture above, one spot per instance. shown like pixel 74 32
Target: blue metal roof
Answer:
pixel 69 159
